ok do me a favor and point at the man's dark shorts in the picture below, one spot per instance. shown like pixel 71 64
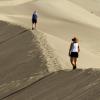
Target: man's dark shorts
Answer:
pixel 74 54
pixel 34 21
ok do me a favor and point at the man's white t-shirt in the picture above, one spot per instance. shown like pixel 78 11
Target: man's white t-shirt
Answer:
pixel 74 47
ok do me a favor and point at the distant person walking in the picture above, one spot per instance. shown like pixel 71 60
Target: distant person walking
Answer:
pixel 74 52
pixel 34 19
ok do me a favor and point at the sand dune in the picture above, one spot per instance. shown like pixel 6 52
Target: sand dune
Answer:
pixel 12 2
pixel 79 14
pixel 90 5
pixel 63 85
pixel 18 63
pixel 65 22
pixel 27 56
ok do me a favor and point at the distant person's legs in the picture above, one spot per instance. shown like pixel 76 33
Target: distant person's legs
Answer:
pixel 34 22
pixel 32 26
pixel 35 25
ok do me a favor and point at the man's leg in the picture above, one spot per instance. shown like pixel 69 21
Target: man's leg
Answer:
pixel 72 62
pixel 75 63
pixel 35 25
pixel 75 60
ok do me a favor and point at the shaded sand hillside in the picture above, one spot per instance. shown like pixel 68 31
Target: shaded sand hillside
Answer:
pixel 24 58
pixel 63 85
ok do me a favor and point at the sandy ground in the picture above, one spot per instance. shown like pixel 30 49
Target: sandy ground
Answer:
pixel 27 56
pixel 63 85
pixel 90 5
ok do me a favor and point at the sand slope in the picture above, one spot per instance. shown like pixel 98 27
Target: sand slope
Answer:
pixel 91 5
pixel 62 19
pixel 63 85
pixel 24 58
pixel 27 56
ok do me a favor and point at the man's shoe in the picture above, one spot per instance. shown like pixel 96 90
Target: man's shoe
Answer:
pixel 74 67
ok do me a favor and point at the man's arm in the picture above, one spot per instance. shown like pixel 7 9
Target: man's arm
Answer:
pixel 70 49
pixel 78 49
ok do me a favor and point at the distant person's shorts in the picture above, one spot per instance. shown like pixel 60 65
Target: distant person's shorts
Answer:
pixel 34 21
pixel 74 54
